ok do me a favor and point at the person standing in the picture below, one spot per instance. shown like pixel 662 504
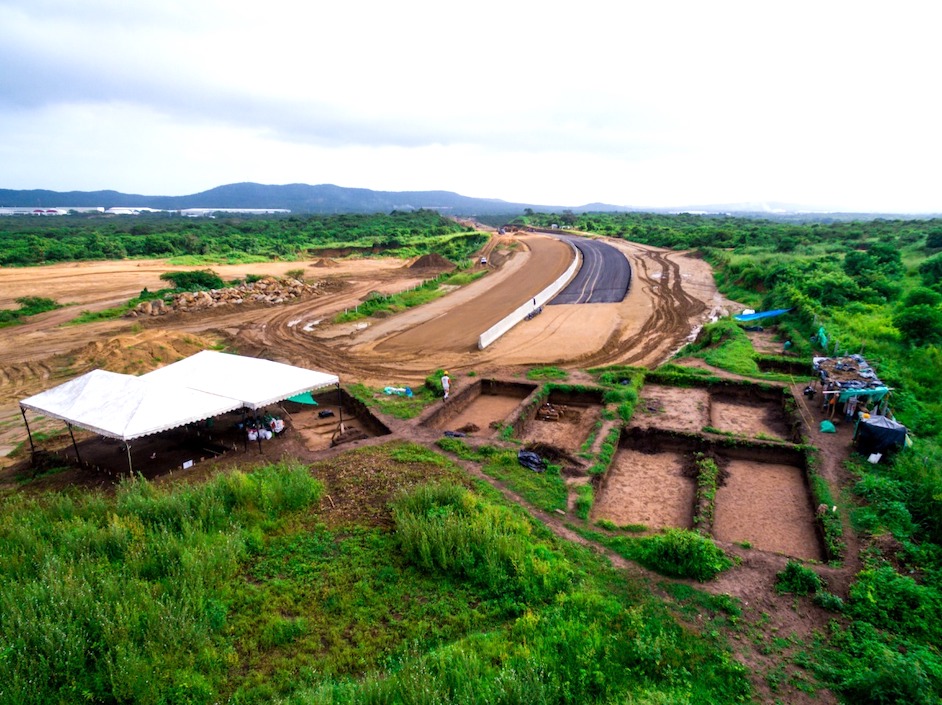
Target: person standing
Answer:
pixel 446 384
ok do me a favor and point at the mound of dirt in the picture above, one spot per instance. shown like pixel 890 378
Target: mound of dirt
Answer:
pixel 324 262
pixel 432 260
pixel 498 257
pixel 469 428
pixel 137 353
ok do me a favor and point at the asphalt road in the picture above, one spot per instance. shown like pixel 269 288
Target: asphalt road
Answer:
pixel 603 278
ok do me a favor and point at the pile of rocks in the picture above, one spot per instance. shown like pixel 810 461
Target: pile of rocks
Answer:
pixel 270 291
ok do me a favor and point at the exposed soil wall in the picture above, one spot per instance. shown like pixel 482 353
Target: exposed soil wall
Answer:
pixel 482 403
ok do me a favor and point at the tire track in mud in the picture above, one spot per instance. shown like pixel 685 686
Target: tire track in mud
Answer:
pixel 280 333
pixel 667 326
pixel 23 379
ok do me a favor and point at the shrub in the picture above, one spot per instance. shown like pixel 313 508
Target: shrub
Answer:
pixel 867 670
pixel 920 324
pixel 584 499
pixel 683 554
pixel 922 295
pixel 537 373
pixel 896 602
pixel 829 601
pixel 194 280
pixel 797 579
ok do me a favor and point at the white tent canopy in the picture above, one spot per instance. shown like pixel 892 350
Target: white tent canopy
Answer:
pixel 126 407
pixel 196 388
pixel 254 382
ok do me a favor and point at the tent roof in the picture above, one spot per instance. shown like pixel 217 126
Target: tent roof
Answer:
pixel 126 407
pixel 254 382
pixel 198 387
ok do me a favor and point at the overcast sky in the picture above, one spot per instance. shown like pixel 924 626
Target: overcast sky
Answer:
pixel 674 103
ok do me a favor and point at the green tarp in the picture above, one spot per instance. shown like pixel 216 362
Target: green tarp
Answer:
pixel 304 398
pixel 876 394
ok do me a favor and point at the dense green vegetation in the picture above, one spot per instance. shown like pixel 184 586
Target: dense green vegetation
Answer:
pixel 247 589
pixel 28 306
pixel 27 241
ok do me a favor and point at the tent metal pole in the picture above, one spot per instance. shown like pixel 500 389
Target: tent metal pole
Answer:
pixel 130 467
pixel 245 433
pixel 32 448
pixel 340 406
pixel 258 428
pixel 74 444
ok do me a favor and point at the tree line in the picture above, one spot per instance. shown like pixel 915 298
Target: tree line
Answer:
pixel 32 241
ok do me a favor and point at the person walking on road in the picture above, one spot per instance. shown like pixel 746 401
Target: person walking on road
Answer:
pixel 446 383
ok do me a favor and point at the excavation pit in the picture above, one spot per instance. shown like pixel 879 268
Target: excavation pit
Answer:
pixel 320 426
pixel 481 409
pixel 741 409
pixel 764 500
pixel 564 419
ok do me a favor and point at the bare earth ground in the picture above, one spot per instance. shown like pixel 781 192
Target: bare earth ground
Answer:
pixel 672 408
pixel 646 489
pixel 671 295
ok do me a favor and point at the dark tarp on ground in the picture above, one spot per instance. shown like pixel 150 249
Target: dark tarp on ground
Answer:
pixel 529 459
pixel 878 433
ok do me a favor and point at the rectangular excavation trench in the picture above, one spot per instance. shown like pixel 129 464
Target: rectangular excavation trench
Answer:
pixel 744 409
pixel 564 419
pixel 765 499
pixel 480 409
pixel 320 431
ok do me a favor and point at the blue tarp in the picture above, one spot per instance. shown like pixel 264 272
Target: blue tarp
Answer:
pixel 761 314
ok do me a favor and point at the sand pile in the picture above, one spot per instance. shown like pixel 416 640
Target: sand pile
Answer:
pixel 137 353
pixel 324 262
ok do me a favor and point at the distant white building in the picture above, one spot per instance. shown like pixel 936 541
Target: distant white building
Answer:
pixel 202 212
pixel 132 211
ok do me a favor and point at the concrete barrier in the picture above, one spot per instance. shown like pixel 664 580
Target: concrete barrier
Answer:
pixel 522 311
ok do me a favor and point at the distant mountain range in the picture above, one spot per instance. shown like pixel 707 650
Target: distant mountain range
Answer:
pixel 327 198
pixel 298 198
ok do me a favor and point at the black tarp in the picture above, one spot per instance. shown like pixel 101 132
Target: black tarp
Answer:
pixel 878 434
pixel 531 460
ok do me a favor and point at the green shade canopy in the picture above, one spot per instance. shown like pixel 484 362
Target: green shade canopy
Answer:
pixel 303 398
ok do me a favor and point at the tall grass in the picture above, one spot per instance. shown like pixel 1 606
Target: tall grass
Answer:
pixel 444 527
pixel 123 599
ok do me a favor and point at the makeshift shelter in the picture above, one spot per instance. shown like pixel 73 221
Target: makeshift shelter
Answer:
pixel 879 434
pixel 850 376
